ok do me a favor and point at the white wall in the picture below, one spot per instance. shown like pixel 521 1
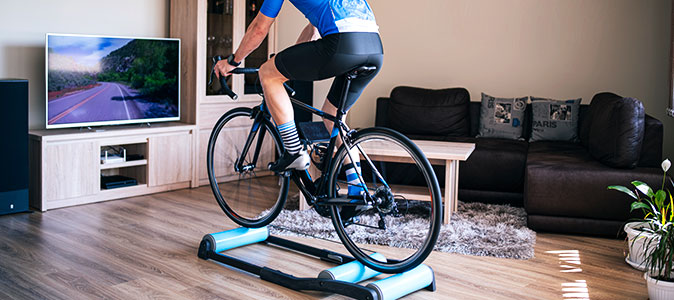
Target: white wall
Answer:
pixel 551 48
pixel 24 23
pixel 508 48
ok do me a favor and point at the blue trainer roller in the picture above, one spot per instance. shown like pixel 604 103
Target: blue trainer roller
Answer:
pixel 241 236
pixel 353 271
pixel 342 279
pixel 404 283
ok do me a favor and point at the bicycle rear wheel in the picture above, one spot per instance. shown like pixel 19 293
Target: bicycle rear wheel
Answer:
pixel 248 193
pixel 406 217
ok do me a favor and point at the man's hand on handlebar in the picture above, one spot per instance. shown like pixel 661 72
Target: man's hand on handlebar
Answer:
pixel 223 68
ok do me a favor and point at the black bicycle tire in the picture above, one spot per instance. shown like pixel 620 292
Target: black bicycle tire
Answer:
pixel 416 259
pixel 278 206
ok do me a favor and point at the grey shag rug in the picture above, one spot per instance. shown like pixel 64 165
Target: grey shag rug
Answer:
pixel 476 229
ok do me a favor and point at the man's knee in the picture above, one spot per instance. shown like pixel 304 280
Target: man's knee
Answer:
pixel 268 72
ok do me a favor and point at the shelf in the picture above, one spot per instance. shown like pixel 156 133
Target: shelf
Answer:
pixel 132 163
pixel 128 133
pixel 132 189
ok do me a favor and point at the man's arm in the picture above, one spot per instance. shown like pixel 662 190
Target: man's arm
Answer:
pixel 255 34
pixel 308 34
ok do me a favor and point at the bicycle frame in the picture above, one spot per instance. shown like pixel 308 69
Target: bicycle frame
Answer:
pixel 313 193
pixel 302 179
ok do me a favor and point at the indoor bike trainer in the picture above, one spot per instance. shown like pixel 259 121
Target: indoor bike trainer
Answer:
pixel 341 279
pixel 344 278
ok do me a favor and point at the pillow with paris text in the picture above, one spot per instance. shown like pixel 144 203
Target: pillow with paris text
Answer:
pixel 554 120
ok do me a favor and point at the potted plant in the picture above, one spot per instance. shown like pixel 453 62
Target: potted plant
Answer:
pixel 635 243
pixel 654 241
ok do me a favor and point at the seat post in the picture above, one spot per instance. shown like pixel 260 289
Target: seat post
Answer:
pixel 363 70
pixel 345 95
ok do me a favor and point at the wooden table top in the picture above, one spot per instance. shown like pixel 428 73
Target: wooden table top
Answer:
pixel 432 149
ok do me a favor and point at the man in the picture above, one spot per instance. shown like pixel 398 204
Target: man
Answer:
pixel 349 38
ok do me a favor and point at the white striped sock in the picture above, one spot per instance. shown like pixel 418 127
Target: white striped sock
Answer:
pixel 291 140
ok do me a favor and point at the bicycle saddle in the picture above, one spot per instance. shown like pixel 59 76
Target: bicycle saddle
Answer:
pixel 363 70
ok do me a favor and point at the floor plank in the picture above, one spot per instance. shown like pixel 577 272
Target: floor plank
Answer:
pixel 145 248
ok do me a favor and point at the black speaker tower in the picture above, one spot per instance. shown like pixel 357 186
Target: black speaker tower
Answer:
pixel 14 149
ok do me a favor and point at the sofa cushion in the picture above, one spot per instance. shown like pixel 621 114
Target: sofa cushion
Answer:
pixel 429 112
pixel 495 165
pixel 554 120
pixel 613 130
pixel 502 117
pixel 563 180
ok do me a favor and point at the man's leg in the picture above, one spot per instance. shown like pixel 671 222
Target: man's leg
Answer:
pixel 352 169
pixel 275 94
pixel 281 109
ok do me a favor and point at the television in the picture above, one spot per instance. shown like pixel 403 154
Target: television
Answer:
pixel 109 80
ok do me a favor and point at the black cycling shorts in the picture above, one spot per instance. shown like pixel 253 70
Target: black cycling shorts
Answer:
pixel 333 56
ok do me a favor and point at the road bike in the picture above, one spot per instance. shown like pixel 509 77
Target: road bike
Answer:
pixel 245 139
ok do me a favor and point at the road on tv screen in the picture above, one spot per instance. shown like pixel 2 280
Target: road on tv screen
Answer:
pixel 110 101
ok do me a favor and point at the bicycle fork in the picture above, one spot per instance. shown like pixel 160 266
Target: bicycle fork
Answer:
pixel 240 165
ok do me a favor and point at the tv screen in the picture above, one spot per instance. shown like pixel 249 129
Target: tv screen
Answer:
pixel 98 80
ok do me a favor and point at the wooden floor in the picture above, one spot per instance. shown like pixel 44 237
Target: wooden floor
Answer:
pixel 145 248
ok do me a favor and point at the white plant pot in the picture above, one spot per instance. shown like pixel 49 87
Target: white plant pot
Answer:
pixel 659 289
pixel 635 241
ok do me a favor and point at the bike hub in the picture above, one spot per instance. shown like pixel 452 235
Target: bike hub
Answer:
pixel 384 199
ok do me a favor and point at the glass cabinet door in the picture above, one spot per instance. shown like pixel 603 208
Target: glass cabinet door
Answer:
pixel 257 57
pixel 219 35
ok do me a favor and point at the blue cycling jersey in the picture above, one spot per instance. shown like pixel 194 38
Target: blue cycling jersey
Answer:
pixel 330 16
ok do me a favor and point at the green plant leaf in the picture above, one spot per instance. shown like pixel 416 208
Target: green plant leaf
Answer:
pixel 671 208
pixel 624 190
pixel 639 205
pixel 644 188
pixel 660 197
pixel 652 207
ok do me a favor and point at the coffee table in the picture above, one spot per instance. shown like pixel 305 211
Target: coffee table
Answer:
pixel 448 154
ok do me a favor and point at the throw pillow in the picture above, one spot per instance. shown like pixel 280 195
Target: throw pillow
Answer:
pixel 554 120
pixel 502 117
pixel 613 130
pixel 419 111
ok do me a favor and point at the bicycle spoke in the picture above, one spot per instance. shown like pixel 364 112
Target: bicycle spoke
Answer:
pixel 369 161
pixel 250 198
pixel 358 185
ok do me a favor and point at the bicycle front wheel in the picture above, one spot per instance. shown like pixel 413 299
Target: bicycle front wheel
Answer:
pixel 397 214
pixel 238 153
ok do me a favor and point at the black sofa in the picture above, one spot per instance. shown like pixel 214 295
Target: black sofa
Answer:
pixel 561 186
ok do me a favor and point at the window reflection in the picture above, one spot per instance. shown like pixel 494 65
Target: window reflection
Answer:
pixel 569 262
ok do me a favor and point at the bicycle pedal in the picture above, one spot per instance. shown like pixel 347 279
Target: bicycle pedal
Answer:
pixel 285 173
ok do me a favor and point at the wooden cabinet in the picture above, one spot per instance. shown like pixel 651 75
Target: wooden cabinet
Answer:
pixel 68 163
pixel 207 28
pixel 170 161
pixel 66 167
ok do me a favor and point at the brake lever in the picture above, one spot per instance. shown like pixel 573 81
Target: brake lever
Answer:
pixel 215 60
pixel 224 88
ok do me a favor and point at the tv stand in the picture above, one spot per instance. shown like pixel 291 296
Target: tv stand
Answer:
pixel 66 167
